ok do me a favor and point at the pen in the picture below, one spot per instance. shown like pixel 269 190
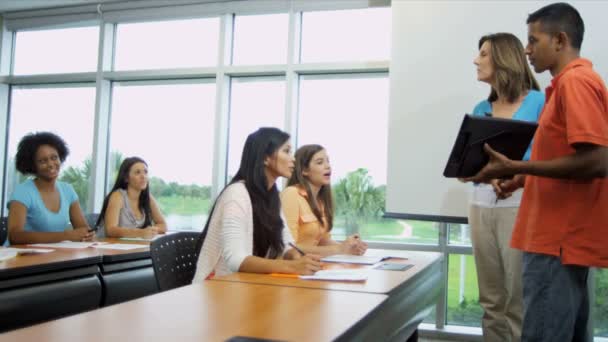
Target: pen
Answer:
pixel 297 249
pixel 284 275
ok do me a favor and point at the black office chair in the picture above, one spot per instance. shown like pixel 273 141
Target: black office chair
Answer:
pixel 174 258
pixel 3 230
pixel 92 221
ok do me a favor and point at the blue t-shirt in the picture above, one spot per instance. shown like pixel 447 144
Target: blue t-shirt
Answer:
pixel 39 218
pixel 529 110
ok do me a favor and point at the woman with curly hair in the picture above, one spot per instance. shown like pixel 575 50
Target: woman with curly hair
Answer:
pixel 42 208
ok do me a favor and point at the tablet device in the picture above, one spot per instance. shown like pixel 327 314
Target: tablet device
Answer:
pixel 507 136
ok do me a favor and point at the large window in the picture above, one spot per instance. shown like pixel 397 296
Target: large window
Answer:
pixel 167 44
pixel 260 39
pixel 459 234
pixel 352 35
pixel 170 126
pixel 600 304
pixel 56 51
pixel 348 115
pixel 67 111
pixel 463 294
pixel 254 103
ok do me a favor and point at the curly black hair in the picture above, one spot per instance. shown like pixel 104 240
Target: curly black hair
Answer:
pixel 28 146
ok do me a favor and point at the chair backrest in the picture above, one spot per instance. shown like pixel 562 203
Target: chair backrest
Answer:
pixel 92 221
pixel 174 258
pixel 3 230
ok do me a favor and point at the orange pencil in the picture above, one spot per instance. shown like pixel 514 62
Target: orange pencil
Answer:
pixel 285 275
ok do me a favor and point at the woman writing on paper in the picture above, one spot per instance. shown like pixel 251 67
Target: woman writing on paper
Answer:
pixel 245 231
pixel 42 208
pixel 513 95
pixel 129 210
pixel 308 206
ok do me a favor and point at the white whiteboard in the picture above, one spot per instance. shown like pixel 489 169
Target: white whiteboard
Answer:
pixel 433 83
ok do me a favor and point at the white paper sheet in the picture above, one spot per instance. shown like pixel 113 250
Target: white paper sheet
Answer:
pixel 354 259
pixel 25 251
pixel 140 238
pixel 120 246
pixel 339 275
pixel 68 244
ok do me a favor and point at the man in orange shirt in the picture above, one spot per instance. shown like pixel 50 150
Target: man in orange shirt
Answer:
pixel 562 225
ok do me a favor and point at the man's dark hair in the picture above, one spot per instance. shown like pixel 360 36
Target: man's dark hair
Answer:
pixel 29 145
pixel 561 17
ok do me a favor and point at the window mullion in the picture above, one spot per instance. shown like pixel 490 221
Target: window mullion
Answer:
pixel 100 165
pixel 222 110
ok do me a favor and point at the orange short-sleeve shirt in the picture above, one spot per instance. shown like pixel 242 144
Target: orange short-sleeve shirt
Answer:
pixel 303 224
pixel 567 217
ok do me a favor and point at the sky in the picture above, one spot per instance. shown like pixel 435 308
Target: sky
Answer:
pixel 172 126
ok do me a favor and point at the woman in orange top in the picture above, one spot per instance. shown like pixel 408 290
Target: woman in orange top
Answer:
pixel 308 206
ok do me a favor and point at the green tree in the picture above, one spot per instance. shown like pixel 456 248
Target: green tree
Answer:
pixel 79 177
pixel 357 200
pixel 116 159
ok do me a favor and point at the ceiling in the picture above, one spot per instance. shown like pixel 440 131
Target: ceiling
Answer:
pixel 21 5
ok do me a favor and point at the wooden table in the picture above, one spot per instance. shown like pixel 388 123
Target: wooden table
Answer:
pixel 39 287
pixel 35 288
pixel 216 311
pixel 411 293
pixel 126 274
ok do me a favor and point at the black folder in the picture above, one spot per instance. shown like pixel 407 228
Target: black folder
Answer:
pixel 509 137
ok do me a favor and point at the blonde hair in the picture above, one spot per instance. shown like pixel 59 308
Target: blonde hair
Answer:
pixel 511 71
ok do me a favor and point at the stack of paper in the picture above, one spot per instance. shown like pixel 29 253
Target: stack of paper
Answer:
pixel 339 275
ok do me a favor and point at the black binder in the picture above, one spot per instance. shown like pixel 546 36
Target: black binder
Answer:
pixel 509 137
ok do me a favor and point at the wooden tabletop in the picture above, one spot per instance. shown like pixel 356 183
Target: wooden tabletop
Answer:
pixel 381 282
pixel 68 257
pixel 56 260
pixel 111 255
pixel 214 311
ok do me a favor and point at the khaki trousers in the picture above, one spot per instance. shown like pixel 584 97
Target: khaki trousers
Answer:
pixel 499 272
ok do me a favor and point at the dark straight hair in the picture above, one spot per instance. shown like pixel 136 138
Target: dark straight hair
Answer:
pixel 561 17
pixel 122 182
pixel 266 204
pixel 303 158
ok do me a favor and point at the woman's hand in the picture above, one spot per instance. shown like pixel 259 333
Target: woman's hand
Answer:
pixel 306 265
pixel 80 234
pixel 150 232
pixel 353 245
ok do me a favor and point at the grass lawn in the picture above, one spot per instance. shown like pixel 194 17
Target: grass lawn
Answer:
pixel 390 230
pixel 471 292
